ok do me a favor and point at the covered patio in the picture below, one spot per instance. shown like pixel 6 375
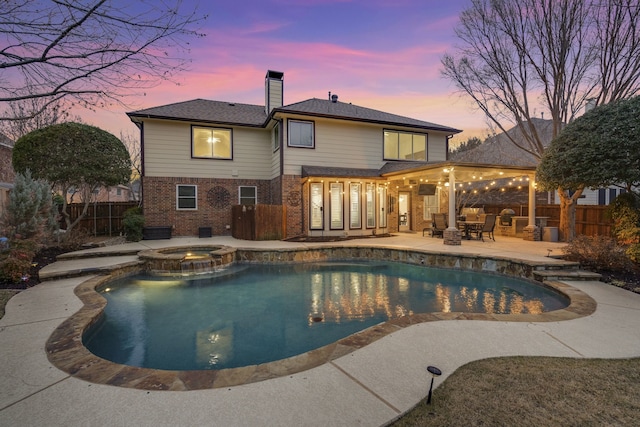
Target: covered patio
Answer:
pixel 454 176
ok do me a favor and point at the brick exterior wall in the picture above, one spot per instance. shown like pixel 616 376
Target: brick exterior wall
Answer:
pixel 292 197
pixel 276 191
pixel 214 200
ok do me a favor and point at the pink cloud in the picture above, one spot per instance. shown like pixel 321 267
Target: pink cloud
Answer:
pixel 402 78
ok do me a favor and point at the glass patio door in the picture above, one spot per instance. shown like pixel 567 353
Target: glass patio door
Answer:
pixel 404 211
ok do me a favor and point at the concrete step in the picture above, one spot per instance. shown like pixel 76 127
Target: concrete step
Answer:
pixel 563 266
pixel 543 275
pixel 97 254
pixel 86 267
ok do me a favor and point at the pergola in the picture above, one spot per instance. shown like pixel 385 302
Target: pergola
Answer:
pixel 452 173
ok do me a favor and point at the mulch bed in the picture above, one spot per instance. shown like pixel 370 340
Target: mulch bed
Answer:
pixel 44 257
pixel 626 279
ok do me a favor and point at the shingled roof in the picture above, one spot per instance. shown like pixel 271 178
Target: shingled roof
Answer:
pixel 205 111
pixel 4 140
pixel 387 168
pixel 500 150
pixel 341 110
pixel 341 172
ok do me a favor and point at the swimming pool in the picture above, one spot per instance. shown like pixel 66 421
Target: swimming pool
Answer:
pixel 253 314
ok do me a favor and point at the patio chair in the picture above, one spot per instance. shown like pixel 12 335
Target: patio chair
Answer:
pixel 487 227
pixel 439 224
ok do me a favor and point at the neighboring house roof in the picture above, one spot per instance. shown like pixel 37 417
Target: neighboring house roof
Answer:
pixel 205 111
pixel 6 141
pixel 500 150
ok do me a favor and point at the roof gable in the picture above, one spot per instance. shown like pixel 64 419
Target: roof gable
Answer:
pixel 346 111
pixel 231 113
pixel 203 110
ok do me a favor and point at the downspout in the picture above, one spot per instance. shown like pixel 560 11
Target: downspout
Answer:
pixel 446 154
pixel 140 126
pixel 303 208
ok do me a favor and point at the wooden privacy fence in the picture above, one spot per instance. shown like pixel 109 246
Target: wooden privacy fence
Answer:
pixel 591 220
pixel 257 222
pixel 103 218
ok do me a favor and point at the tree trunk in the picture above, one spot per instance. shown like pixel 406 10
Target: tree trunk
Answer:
pixel 567 228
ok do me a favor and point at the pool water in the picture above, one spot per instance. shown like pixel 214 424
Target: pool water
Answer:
pixel 261 313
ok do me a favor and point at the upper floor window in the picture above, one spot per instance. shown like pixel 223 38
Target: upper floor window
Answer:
pixel 276 137
pixel 186 197
pixel 248 195
pixel 211 143
pixel 301 134
pixel 405 146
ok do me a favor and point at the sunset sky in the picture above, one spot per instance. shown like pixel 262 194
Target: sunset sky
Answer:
pixel 381 54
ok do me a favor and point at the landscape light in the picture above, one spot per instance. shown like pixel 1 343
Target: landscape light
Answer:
pixel 435 372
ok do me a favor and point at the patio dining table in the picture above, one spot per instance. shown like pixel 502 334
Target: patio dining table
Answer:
pixel 467 226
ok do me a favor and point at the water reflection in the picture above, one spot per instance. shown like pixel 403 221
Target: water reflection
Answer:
pixel 346 296
pixel 263 313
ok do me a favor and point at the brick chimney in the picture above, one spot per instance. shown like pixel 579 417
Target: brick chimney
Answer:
pixel 273 91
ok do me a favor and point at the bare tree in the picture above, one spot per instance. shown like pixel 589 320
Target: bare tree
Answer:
pixel 89 52
pixel 35 115
pixel 135 151
pixel 618 37
pixel 518 54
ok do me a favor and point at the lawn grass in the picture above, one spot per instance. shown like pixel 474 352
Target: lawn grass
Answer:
pixel 535 391
pixel 5 296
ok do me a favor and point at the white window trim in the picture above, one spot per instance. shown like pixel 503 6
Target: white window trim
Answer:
pixel 178 197
pixel 355 206
pixel 316 211
pixel 255 198
pixel 337 205
pixel 383 198
pixel 370 205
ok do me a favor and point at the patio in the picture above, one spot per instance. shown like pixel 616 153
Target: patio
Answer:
pixel 371 386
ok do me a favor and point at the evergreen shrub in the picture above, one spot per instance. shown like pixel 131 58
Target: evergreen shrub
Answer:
pixel 133 222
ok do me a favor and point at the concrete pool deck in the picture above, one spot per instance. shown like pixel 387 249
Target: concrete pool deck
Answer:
pixel 370 386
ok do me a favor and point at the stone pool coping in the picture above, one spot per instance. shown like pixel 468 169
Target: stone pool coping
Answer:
pixel 65 349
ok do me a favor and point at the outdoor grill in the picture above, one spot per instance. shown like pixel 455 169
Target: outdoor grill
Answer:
pixel 506 216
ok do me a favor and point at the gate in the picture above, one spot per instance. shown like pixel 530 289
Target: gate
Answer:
pixel 258 222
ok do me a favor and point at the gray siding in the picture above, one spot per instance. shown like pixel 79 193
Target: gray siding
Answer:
pixel 167 152
pixel 350 145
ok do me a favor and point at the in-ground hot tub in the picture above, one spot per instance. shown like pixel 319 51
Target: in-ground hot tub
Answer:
pixel 187 260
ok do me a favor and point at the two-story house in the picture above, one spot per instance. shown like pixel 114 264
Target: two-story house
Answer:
pixel 339 169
